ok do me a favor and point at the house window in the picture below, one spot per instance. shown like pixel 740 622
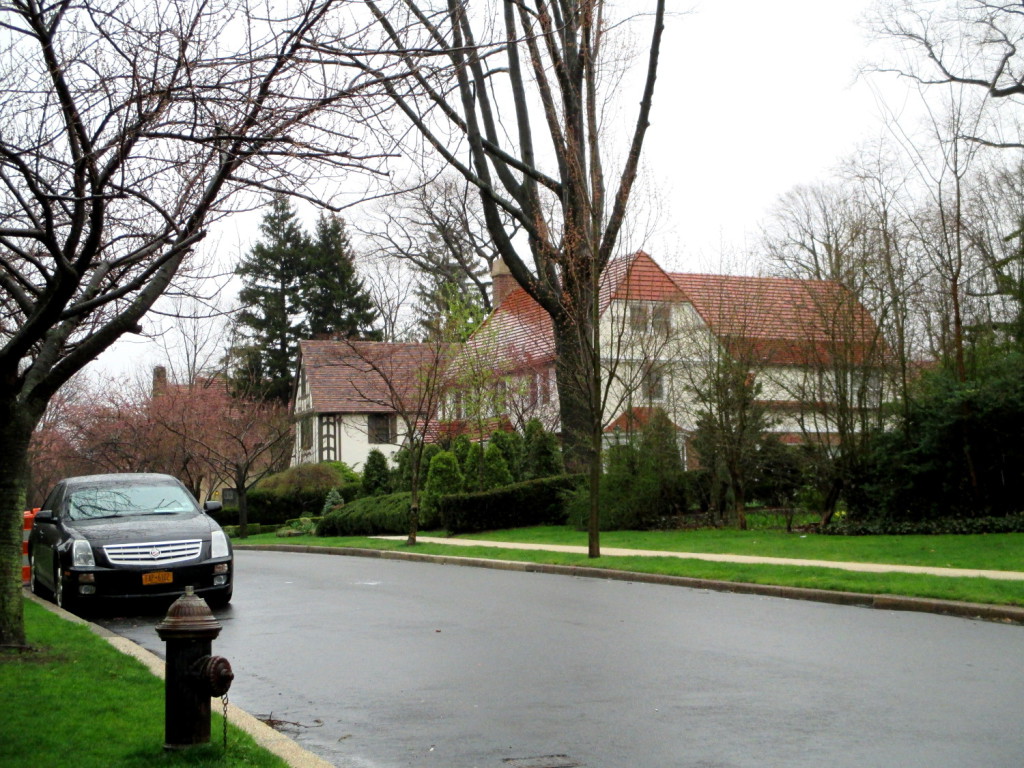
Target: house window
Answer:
pixel 382 428
pixel 653 384
pixel 306 433
pixel 638 317
pixel 661 319
pixel 545 387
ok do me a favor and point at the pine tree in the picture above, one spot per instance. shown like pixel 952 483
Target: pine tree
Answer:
pixel 294 287
pixel 331 295
pixel 376 476
pixel 269 324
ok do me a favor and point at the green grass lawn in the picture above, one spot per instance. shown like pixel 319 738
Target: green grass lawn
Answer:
pixel 995 551
pixel 73 700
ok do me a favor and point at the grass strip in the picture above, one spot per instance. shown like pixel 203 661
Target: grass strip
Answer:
pixel 75 700
pixel 967 589
pixel 996 551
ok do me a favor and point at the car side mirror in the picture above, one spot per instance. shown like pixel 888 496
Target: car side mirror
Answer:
pixel 212 506
pixel 44 516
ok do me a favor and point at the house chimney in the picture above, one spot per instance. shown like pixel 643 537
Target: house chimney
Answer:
pixel 159 379
pixel 502 282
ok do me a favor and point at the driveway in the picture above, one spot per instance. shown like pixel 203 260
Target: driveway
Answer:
pixel 388 664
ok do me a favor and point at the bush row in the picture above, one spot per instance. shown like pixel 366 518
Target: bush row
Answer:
pixel 374 516
pixel 533 502
pixel 944 525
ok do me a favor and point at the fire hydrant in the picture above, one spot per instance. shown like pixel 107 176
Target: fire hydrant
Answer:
pixel 192 674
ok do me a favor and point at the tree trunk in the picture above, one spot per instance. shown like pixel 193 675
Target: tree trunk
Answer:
pixel 16 427
pixel 243 507
pixel 571 374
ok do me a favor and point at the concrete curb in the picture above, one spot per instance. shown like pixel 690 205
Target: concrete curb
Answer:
pixel 1001 613
pixel 262 734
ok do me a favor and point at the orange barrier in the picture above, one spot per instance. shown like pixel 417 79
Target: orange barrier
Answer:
pixel 26 529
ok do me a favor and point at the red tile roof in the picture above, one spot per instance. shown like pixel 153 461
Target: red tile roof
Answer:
pixel 782 321
pixel 519 331
pixel 354 376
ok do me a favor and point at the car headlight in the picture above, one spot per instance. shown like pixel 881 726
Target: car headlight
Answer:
pixel 218 544
pixel 81 553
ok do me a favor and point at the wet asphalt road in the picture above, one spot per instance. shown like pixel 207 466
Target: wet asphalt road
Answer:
pixel 385 664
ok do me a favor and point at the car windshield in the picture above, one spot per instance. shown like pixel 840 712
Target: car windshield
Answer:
pixel 128 500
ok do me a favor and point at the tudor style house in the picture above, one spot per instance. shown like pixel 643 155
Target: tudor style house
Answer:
pixel 806 343
pixel 354 396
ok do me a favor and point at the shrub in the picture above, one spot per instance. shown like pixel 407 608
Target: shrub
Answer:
pixel 333 501
pixel 460 447
pixel 443 477
pixel 513 449
pixel 532 502
pixel 298 492
pixel 375 474
pixel 644 485
pixel 542 457
pixel 944 525
pixel 375 516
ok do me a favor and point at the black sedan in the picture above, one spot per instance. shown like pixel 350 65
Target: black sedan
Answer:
pixel 127 536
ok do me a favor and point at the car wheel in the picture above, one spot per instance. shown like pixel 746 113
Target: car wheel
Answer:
pixel 33 578
pixel 63 599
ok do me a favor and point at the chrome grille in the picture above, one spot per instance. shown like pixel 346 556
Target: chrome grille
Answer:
pixel 153 553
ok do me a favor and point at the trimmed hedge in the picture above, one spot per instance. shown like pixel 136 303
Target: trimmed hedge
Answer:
pixel 533 502
pixel 296 492
pixel 375 516
pixel 946 525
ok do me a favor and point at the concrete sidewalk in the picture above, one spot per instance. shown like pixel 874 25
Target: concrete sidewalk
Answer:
pixel 614 552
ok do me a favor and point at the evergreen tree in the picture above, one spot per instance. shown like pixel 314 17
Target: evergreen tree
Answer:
pixel 294 287
pixel 543 458
pixel 512 448
pixel 443 477
pixel 376 477
pixel 269 324
pixel 331 294
pixel 496 472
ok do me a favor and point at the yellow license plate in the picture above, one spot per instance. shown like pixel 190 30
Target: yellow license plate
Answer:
pixel 157 577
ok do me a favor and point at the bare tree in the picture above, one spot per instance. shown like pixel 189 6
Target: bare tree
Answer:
pixel 127 130
pixel 408 380
pixel 976 44
pixel 234 440
pixel 512 97
pixel 438 228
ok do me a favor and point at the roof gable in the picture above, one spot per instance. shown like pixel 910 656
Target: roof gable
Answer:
pixel 366 376
pixel 782 320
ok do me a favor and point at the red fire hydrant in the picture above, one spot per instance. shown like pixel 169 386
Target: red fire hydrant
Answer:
pixel 192 675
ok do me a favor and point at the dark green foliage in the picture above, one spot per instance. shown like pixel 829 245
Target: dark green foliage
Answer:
pixel 542 455
pixel 942 525
pixel 376 476
pixel 485 468
pixel 513 448
pixel 533 502
pixel 460 447
pixel 959 453
pixel 496 472
pixel 643 486
pixel 778 473
pixel 296 492
pixel 269 322
pixel 443 476
pixel 472 469
pixel 294 287
pixel 375 516
pixel 332 296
